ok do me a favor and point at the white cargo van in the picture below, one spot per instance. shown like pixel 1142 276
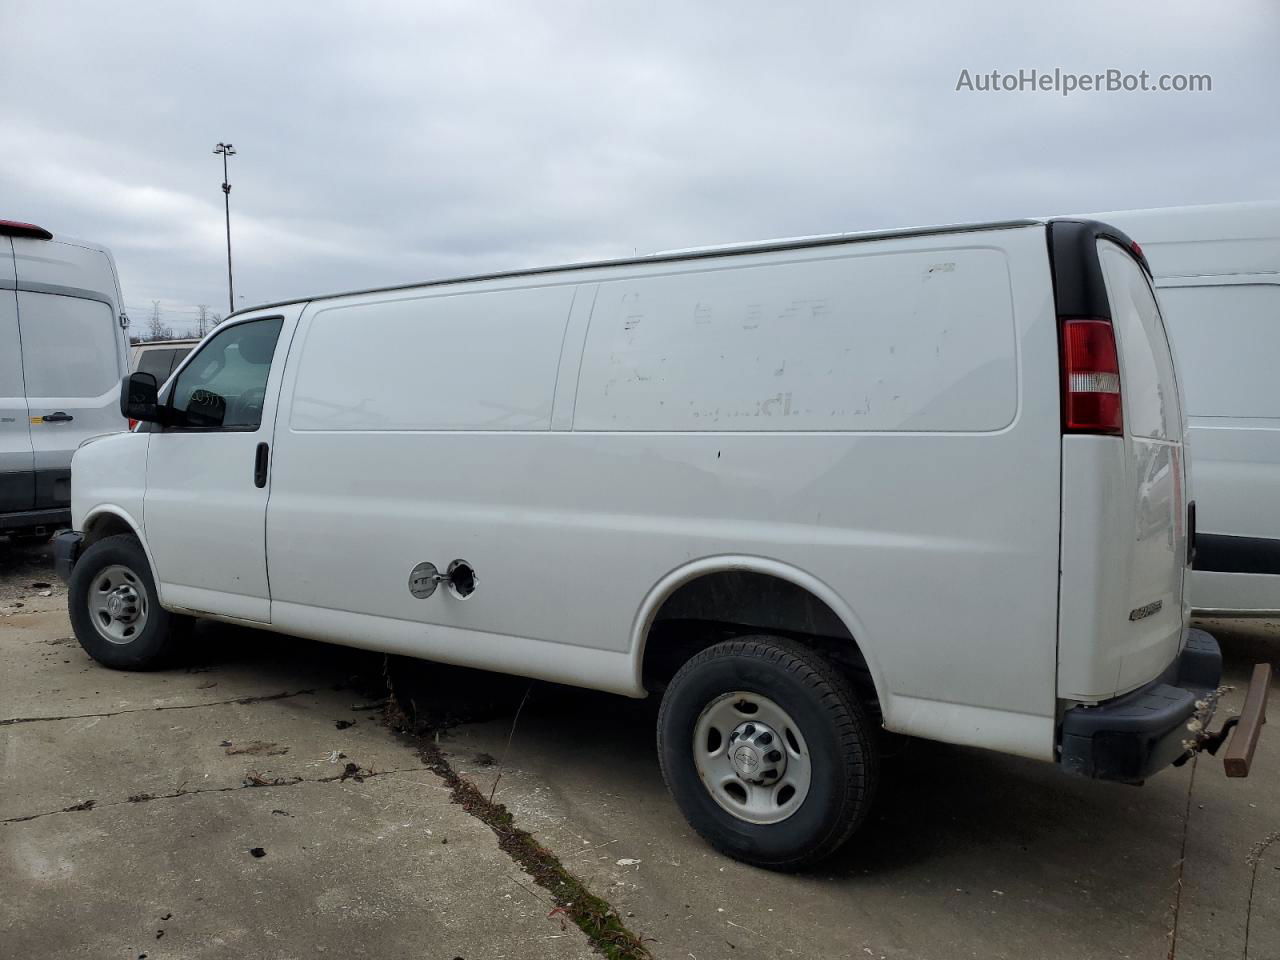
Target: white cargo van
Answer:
pixel 930 481
pixel 1217 273
pixel 63 349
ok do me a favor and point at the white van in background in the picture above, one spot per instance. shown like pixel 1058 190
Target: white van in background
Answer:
pixel 1217 271
pixel 930 481
pixel 63 349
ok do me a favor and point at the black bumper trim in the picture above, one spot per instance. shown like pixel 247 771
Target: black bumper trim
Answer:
pixel 66 551
pixel 31 519
pixel 1219 553
pixel 1133 736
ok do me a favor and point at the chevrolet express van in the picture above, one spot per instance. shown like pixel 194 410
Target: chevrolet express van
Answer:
pixel 1217 276
pixel 929 481
pixel 63 350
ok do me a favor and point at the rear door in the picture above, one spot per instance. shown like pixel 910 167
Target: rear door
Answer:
pixel 17 485
pixel 1156 474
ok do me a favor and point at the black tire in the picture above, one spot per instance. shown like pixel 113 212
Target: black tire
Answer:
pixel 155 642
pixel 841 742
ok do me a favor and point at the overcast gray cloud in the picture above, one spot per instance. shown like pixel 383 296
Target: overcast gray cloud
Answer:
pixel 383 143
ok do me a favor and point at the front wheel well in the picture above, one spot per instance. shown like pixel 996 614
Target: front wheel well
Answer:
pixel 105 525
pixel 736 603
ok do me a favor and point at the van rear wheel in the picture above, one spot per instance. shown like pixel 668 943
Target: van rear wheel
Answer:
pixel 115 609
pixel 767 751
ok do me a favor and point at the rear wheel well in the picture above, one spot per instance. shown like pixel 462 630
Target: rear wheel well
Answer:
pixel 735 603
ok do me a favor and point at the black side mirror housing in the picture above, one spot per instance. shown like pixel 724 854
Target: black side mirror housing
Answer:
pixel 139 397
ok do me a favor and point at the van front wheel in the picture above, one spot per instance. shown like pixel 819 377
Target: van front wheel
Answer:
pixel 767 751
pixel 114 607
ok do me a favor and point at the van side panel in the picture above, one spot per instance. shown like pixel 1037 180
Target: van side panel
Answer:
pixel 936 524
pixel 1227 332
pixel 445 361
pixel 919 342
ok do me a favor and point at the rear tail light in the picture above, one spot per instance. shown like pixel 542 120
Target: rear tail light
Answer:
pixel 1090 378
pixel 133 424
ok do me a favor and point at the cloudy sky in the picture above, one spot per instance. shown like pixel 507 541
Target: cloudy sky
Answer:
pixel 390 142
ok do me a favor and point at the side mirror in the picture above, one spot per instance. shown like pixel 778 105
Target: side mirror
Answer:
pixel 139 397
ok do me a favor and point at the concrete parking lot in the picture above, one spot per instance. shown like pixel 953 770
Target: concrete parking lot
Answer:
pixel 251 802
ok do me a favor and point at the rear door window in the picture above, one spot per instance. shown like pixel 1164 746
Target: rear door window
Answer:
pixel 1148 384
pixel 69 346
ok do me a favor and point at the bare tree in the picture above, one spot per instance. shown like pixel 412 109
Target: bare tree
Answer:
pixel 156 327
pixel 203 321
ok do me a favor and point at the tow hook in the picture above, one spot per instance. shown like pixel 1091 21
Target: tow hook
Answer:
pixel 1210 743
pixel 1247 726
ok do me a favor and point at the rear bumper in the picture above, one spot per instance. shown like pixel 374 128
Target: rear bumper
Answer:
pixel 1133 736
pixel 66 551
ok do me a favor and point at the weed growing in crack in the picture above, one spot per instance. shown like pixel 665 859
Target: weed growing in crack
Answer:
pixel 595 917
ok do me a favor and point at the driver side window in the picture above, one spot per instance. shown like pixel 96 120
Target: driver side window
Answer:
pixel 225 384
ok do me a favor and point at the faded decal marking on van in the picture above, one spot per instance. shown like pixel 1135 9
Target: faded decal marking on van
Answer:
pixel 848 343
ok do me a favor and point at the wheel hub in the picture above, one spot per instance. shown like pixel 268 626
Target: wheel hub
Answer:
pixel 117 604
pixel 122 604
pixel 756 753
pixel 752 757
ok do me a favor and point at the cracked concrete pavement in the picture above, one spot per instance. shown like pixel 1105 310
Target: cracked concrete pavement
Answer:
pixel 969 854
pixel 133 812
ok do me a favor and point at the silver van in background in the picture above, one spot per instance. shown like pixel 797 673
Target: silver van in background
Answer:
pixel 63 350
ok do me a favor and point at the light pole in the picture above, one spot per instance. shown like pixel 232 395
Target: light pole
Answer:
pixel 227 151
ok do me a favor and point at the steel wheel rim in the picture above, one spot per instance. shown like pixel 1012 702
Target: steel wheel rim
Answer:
pixel 735 766
pixel 117 604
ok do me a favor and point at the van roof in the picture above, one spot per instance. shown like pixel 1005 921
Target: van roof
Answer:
pixel 66 265
pixel 694 253
pixel 1205 240
pixel 1209 221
